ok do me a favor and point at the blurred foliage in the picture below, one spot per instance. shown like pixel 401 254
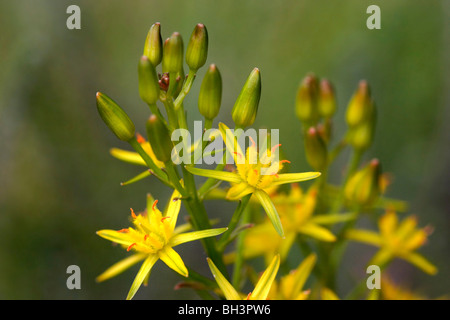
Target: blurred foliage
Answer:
pixel 59 184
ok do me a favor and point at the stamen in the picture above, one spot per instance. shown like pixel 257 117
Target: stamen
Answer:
pixel 123 230
pixel 253 142
pixel 238 154
pixel 131 246
pixel 164 218
pixel 140 138
pixel 132 213
pixel 275 147
pixel 285 161
pixel 154 205
pixel 146 236
pixel 275 174
pixel 248 296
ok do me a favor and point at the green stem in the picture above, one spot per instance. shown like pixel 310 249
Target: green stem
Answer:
pixel 224 240
pixel 185 90
pixel 237 268
pixel 155 169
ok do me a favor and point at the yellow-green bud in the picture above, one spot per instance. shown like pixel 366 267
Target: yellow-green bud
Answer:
pixel 246 106
pixel 210 96
pixel 363 188
pixel 360 107
pixel 327 99
pixel 148 81
pixel 159 138
pixel 315 149
pixel 197 50
pixel 306 100
pixel 153 48
pixel 173 54
pixel 115 118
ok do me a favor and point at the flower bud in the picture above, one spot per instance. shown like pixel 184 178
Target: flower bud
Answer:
pixel 327 99
pixel 173 54
pixel 197 49
pixel 159 138
pixel 115 118
pixel 153 48
pixel 210 96
pixel 315 149
pixel 363 187
pixel 246 106
pixel 306 100
pixel 148 81
pixel 360 107
pixel 361 136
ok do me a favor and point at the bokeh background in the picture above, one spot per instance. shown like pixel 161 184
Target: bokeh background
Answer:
pixel 58 183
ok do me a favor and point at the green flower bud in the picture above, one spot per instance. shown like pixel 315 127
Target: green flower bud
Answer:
pixel 363 188
pixel 246 106
pixel 159 139
pixel 210 96
pixel 173 54
pixel 360 107
pixel 315 149
pixel 327 99
pixel 197 49
pixel 148 81
pixel 115 118
pixel 306 101
pixel 153 48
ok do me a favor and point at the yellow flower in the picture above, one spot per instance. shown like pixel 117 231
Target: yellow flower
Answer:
pixel 396 240
pixel 255 174
pixel 261 290
pixel 296 213
pixel 153 237
pixel 290 287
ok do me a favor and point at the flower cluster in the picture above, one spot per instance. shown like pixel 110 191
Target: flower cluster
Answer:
pixel 283 217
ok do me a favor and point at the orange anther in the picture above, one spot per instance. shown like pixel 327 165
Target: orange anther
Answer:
pixel 253 142
pixel 140 138
pixel 131 246
pixel 123 230
pixel 154 205
pixel 132 213
pixel 285 161
pixel 248 296
pixel 164 218
pixel 275 147
pixel 145 237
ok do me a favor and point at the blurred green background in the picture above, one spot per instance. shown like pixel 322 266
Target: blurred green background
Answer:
pixel 59 184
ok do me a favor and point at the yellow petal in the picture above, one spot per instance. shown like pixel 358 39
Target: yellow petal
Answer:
pixel 332 218
pixel 381 258
pixel 272 213
pixel 239 191
pixel 262 288
pixel 173 260
pixel 173 209
pixel 127 156
pixel 120 267
pixel 228 290
pixel 365 236
pixel 195 235
pixel 328 294
pixel 215 174
pixel 294 177
pixel 420 262
pixel 318 232
pixel 388 223
pixel 142 274
pixel 115 236
pixel 232 144
pixel 302 273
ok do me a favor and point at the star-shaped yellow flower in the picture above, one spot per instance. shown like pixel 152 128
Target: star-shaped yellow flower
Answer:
pixel 255 174
pixel 296 214
pixel 261 290
pixel 153 237
pixel 396 240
